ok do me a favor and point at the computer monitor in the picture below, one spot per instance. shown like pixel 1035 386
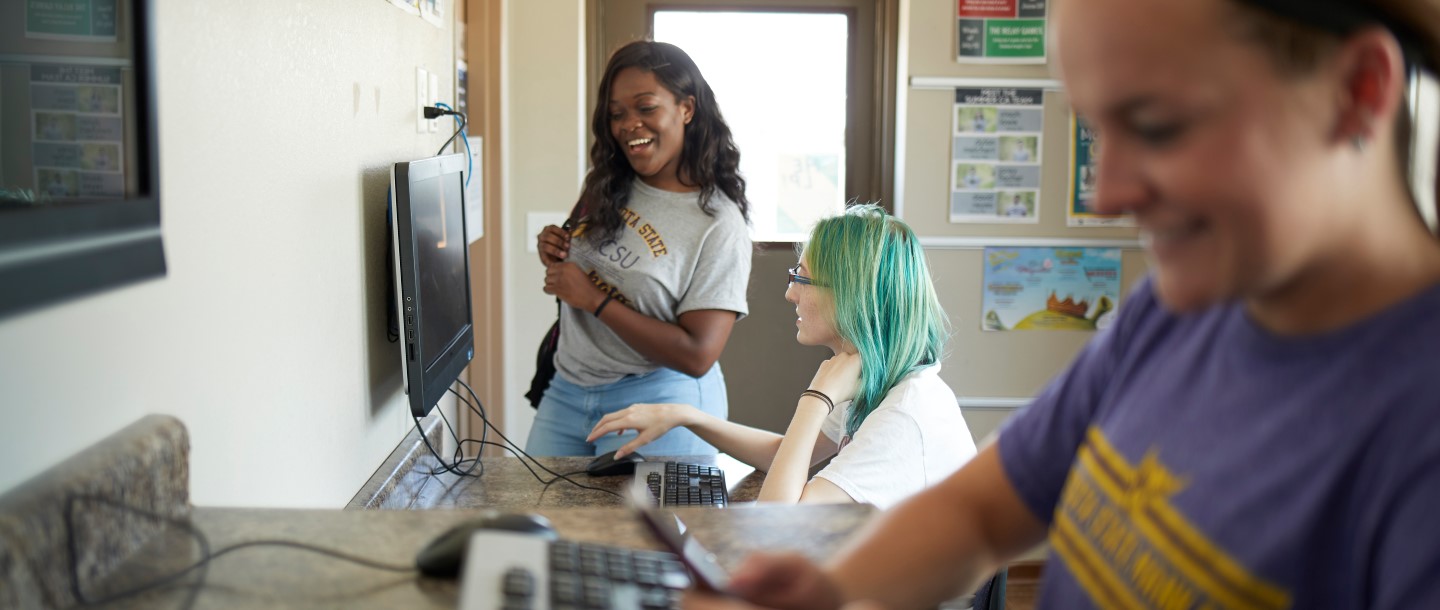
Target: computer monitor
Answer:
pixel 79 169
pixel 432 276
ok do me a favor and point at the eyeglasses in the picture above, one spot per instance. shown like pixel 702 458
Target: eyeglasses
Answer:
pixel 792 276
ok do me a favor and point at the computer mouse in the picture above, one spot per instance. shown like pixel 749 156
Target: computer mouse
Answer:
pixel 606 465
pixel 445 555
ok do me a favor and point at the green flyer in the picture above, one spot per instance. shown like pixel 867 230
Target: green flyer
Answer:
pixel 1000 31
pixel 89 20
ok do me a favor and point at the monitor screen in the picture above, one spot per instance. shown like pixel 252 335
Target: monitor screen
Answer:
pixel 440 260
pixel 432 276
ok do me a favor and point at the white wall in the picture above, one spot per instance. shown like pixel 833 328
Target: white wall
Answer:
pixel 278 121
pixel 545 158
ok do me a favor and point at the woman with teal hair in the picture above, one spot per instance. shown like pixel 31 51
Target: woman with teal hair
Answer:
pixel 878 406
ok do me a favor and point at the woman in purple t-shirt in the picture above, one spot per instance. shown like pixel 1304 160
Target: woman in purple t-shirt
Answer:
pixel 1256 430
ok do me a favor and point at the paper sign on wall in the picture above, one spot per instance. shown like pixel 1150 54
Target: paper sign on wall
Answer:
pixel 475 192
pixel 1000 31
pixel 81 20
pixel 77 130
pixel 1084 162
pixel 1050 288
pixel 995 155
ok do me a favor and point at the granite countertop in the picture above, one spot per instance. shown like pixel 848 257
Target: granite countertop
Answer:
pixel 507 483
pixel 117 518
pixel 279 577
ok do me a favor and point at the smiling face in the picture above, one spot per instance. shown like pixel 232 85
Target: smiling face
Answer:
pixel 1228 167
pixel 648 124
pixel 814 312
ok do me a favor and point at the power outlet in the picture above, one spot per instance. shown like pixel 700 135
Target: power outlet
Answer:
pixel 434 90
pixel 422 91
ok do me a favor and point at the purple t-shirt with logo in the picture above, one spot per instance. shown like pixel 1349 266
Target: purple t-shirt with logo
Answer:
pixel 1199 461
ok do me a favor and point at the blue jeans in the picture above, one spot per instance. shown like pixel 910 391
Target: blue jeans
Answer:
pixel 568 412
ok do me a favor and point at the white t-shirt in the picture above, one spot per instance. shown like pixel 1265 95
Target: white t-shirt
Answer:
pixel 915 438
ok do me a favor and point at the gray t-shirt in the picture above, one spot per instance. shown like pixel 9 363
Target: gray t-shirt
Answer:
pixel 669 257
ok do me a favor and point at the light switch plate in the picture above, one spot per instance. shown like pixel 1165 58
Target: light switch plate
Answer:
pixel 535 221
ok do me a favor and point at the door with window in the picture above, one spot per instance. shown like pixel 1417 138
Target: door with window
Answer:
pixel 807 88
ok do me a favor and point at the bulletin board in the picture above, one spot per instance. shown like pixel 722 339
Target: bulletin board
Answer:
pixel 995 372
pixel 1006 365
pixel 927 195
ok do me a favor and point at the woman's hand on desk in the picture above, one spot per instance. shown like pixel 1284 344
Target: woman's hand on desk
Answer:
pixel 648 420
pixel 787 581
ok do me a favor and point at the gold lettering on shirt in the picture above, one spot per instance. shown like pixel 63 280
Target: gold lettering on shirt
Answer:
pixel 1117 532
pixel 630 216
pixel 609 289
pixel 652 239
pixel 646 231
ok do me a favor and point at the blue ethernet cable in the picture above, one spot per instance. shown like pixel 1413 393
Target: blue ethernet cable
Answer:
pixel 469 157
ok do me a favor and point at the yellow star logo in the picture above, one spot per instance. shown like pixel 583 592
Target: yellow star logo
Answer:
pixel 1150 482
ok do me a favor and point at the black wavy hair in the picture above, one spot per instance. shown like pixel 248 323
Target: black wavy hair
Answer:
pixel 709 157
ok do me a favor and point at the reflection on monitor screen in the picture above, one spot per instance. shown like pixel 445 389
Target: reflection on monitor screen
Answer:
pixel 79 150
pixel 440 254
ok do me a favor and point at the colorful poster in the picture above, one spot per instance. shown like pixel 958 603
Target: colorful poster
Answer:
pixel 409 6
pixel 995 155
pixel 77 131
pixel 1084 161
pixel 1000 31
pixel 1050 288
pixel 83 20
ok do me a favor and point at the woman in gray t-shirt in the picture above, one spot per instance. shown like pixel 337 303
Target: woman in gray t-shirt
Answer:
pixel 653 275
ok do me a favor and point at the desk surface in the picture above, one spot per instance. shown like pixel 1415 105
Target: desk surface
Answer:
pixel 277 577
pixel 507 484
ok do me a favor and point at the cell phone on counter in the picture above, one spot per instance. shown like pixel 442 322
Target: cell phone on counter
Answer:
pixel 669 531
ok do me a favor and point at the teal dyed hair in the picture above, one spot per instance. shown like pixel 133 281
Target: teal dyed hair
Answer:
pixel 885 305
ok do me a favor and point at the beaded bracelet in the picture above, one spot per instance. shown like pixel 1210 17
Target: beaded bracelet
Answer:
pixel 829 404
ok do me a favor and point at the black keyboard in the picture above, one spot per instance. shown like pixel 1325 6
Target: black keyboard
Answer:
pixel 519 572
pixel 680 484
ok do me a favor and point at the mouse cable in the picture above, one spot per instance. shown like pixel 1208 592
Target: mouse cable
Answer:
pixel 202 564
pixel 73 547
pixel 455 463
pixel 513 448
pixel 568 474
pixel 546 482
pixel 478 408
pixel 452 468
pixel 455 458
